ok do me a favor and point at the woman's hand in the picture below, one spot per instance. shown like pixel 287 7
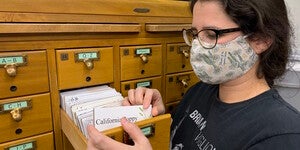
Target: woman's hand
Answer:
pixel 146 96
pixel 98 141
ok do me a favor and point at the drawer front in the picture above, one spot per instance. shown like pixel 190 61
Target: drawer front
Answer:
pixel 178 58
pixel 23 73
pixel 40 142
pixel 84 67
pixel 171 106
pixel 25 116
pixel 149 83
pixel 156 129
pixel 178 84
pixel 140 61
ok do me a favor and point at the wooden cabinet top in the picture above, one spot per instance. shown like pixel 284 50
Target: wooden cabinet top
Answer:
pixel 162 8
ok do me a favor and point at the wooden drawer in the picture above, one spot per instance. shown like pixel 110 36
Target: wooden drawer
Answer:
pixel 28 73
pixel 148 82
pixel 84 67
pixel 178 58
pixel 140 61
pixel 40 142
pixel 171 106
pixel 159 139
pixel 36 117
pixel 178 84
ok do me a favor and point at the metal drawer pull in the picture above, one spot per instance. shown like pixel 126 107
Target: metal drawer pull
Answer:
pixel 16 108
pixel 184 80
pixel 144 58
pixel 143 53
pixel 185 50
pixel 89 63
pixel 185 53
pixel 16 114
pixel 10 63
pixel 141 10
pixel 184 83
pixel 87 58
pixel 11 69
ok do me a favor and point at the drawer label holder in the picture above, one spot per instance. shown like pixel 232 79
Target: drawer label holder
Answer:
pixel 16 108
pixel 10 63
pixel 144 84
pixel 87 58
pixel 148 131
pixel 143 53
pixel 25 146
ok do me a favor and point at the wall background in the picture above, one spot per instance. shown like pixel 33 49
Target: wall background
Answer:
pixel 294 12
pixel 289 86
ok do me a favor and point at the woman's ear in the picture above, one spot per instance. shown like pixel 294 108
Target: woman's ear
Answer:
pixel 261 44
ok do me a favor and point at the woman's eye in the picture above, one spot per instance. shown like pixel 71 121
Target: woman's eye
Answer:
pixel 210 35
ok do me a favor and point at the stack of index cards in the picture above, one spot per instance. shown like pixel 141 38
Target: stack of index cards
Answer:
pixel 79 104
pixel 109 117
pixel 100 106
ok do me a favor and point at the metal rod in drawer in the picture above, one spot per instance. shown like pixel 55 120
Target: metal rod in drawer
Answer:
pixel 66 28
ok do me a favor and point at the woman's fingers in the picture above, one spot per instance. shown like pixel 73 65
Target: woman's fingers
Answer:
pixel 131 96
pixel 139 95
pixel 101 142
pixel 136 96
pixel 98 141
pixel 135 133
pixel 126 102
pixel 146 97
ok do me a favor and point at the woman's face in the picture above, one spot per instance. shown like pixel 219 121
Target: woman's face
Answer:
pixel 211 15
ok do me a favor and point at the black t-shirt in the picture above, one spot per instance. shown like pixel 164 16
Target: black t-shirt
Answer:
pixel 202 121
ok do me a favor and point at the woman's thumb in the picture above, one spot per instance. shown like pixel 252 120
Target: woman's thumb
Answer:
pixel 134 132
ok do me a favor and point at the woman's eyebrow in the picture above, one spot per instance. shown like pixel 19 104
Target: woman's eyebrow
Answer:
pixel 193 28
pixel 211 27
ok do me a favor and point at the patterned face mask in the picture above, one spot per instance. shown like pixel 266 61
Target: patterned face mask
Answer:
pixel 225 62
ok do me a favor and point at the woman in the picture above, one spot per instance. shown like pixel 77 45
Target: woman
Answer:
pixel 238 48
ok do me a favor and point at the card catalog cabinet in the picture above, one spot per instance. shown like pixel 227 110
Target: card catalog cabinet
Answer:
pixel 48 47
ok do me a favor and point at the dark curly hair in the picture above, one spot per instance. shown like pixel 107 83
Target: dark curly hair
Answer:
pixel 263 19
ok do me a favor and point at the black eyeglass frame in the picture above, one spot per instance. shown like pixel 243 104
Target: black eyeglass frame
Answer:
pixel 218 33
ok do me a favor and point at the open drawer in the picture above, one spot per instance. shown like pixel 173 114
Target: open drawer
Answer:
pixel 157 129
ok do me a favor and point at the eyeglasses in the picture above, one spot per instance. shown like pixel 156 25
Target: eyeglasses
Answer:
pixel 207 37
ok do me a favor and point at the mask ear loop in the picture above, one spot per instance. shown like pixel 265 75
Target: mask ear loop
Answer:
pixel 246 36
pixel 197 41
